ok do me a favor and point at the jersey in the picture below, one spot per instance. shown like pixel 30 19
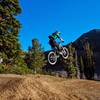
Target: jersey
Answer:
pixel 55 35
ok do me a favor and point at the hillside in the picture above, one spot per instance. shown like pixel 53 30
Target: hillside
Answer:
pixel 93 37
pixel 44 87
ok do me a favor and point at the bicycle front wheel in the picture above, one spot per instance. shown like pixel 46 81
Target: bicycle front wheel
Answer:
pixel 52 58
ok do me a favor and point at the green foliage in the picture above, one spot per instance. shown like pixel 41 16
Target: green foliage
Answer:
pixel 22 70
pixel 3 56
pixel 9 28
pixel 71 63
pixel 88 59
pixel 88 55
pixel 2 68
pixel 35 58
pixel 72 71
pixel 81 64
pixel 19 67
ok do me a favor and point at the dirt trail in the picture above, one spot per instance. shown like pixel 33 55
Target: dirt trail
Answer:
pixel 44 87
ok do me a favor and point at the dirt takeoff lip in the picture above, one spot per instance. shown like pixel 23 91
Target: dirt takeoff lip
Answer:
pixel 45 87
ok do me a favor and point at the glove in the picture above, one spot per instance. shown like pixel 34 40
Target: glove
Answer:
pixel 62 40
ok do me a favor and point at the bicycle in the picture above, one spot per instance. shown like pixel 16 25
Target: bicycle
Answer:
pixel 55 54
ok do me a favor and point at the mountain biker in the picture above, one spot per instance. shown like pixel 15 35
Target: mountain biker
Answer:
pixel 52 40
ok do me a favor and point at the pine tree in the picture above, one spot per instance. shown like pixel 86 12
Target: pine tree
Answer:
pixel 81 67
pixel 9 29
pixel 70 63
pixel 35 57
pixel 77 65
pixel 88 61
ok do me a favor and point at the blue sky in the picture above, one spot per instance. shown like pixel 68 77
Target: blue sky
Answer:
pixel 40 18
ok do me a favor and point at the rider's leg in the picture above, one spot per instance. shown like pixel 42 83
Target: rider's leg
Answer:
pixel 59 47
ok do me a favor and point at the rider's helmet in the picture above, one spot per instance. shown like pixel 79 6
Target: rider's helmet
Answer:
pixel 56 33
pixel 50 37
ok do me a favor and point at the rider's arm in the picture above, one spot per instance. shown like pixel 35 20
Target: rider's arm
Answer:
pixel 56 35
pixel 60 38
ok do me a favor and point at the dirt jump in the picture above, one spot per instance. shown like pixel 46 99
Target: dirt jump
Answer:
pixel 45 87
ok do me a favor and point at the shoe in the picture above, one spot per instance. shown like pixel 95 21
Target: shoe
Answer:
pixel 60 53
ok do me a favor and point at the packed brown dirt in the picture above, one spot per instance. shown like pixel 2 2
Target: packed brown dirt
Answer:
pixel 45 87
